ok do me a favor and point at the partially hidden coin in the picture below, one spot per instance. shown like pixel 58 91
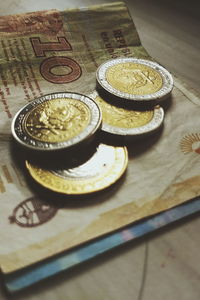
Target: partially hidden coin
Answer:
pixel 134 79
pixel 56 121
pixel 128 122
pixel 103 169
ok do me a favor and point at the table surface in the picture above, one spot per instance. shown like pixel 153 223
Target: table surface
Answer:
pixel 164 265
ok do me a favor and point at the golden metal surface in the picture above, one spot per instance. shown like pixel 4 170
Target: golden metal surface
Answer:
pixel 104 168
pixel 121 117
pixel 57 120
pixel 133 78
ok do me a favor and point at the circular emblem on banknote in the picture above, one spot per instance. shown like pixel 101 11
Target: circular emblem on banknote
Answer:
pixel 56 121
pixel 128 122
pixel 134 79
pixel 32 212
pixel 104 168
pixel 190 143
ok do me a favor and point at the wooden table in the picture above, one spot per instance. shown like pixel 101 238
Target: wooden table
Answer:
pixel 164 265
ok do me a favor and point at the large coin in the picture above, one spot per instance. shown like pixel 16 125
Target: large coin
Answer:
pixel 104 168
pixel 128 122
pixel 135 79
pixel 56 121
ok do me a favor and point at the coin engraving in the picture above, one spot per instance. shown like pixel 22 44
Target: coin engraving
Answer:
pixel 134 78
pixel 121 117
pixel 57 121
pixel 128 122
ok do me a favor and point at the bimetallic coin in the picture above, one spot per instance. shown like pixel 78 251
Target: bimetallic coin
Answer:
pixel 56 121
pixel 128 122
pixel 104 168
pixel 135 79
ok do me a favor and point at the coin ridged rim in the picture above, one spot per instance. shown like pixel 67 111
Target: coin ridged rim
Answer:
pixel 153 124
pixel 26 140
pixel 160 94
pixel 68 186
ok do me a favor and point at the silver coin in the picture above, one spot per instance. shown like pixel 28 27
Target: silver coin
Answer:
pixel 103 169
pixel 135 79
pixel 128 122
pixel 56 121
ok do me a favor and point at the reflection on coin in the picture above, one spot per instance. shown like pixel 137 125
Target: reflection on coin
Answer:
pixel 135 79
pixel 128 122
pixel 104 168
pixel 56 121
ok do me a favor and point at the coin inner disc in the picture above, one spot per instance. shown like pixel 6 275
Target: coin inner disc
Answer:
pixel 121 117
pixel 102 170
pixel 97 165
pixel 57 120
pixel 134 78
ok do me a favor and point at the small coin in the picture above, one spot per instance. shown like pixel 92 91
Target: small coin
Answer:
pixel 128 122
pixel 133 79
pixel 103 169
pixel 56 121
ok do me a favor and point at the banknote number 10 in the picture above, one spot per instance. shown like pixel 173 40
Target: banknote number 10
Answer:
pixel 49 64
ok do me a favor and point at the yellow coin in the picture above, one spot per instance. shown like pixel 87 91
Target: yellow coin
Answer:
pixel 56 121
pixel 128 122
pixel 134 79
pixel 103 169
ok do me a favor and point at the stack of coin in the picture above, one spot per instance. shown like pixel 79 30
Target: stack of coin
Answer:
pixel 129 93
pixel 64 121
pixel 134 81
pixel 127 104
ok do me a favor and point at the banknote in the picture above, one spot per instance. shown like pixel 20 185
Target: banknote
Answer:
pixel 17 281
pixel 53 51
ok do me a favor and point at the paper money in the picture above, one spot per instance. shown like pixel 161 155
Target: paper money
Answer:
pixel 41 53
pixel 25 278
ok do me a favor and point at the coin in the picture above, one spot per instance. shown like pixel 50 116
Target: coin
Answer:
pixel 133 79
pixel 128 122
pixel 56 121
pixel 103 169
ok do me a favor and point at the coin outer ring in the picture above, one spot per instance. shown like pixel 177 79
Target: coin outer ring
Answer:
pixel 154 124
pixel 160 94
pixel 26 140
pixel 90 185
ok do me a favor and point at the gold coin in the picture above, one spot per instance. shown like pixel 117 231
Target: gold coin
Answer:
pixel 57 120
pixel 122 117
pixel 104 168
pixel 128 122
pixel 134 78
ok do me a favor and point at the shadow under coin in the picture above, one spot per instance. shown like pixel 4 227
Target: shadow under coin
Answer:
pixel 136 145
pixel 59 162
pixel 54 159
pixel 140 105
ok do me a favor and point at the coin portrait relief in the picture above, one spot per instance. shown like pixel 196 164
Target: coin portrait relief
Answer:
pixel 134 78
pixel 57 120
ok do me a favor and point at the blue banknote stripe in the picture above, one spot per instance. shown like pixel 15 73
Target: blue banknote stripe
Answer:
pixel 20 280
